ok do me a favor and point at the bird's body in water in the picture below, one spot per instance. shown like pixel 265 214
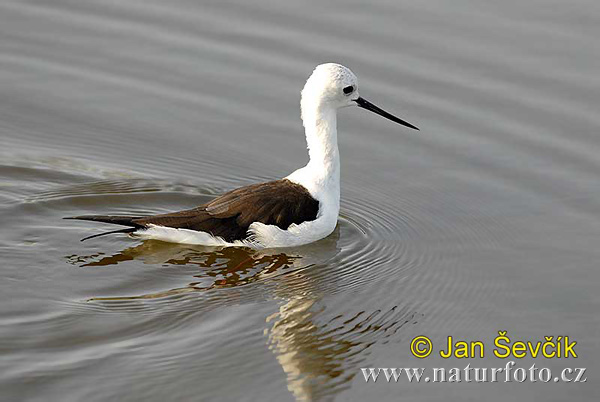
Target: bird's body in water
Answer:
pixel 298 209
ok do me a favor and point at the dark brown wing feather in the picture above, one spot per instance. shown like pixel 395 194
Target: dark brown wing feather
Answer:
pixel 279 203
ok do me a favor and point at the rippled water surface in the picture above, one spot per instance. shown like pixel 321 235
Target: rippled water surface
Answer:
pixel 487 219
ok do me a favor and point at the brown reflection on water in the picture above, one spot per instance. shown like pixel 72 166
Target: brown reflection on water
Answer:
pixel 221 268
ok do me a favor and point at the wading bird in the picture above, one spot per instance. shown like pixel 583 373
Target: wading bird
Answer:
pixel 298 209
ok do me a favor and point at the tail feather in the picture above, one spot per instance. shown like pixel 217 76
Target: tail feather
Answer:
pixel 115 220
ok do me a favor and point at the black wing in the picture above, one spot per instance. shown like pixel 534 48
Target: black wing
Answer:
pixel 279 203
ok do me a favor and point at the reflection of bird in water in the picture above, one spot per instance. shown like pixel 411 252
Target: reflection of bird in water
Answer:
pixel 298 209
pixel 220 267
pixel 320 354
pixel 321 358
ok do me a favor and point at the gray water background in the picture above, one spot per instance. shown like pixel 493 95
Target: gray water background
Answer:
pixel 485 220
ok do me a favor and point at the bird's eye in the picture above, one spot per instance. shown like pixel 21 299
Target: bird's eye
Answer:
pixel 348 90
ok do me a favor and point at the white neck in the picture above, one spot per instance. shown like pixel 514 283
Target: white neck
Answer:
pixel 320 125
pixel 321 176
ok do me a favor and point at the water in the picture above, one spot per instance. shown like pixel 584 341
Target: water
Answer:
pixel 486 220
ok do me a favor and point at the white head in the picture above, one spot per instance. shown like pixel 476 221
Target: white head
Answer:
pixel 333 86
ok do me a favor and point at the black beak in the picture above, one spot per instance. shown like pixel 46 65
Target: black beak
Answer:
pixel 365 104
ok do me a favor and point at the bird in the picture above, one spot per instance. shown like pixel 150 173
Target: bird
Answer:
pixel 298 209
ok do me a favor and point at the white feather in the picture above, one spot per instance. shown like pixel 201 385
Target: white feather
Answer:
pixel 185 236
